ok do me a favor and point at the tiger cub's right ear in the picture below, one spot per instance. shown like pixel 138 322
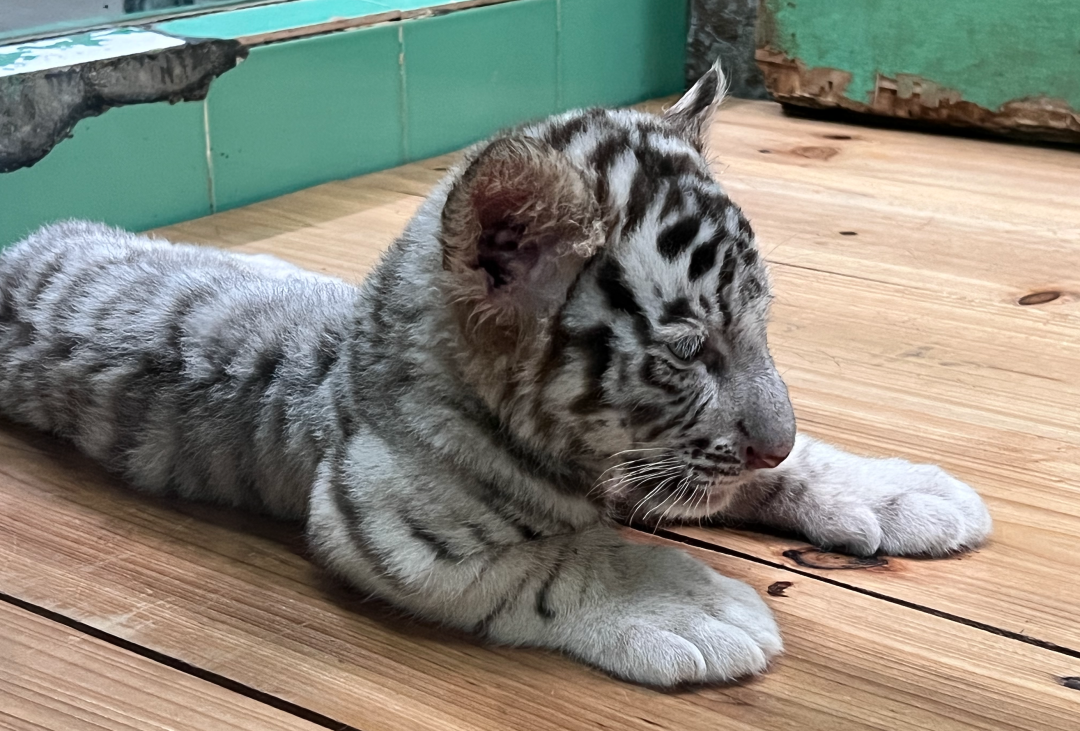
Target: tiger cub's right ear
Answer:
pixel 693 113
pixel 517 227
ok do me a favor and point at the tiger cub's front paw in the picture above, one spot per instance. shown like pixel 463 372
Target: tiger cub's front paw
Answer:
pixel 932 513
pixel 684 623
pixel 896 507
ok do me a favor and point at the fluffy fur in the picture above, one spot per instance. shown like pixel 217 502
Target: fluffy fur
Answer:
pixel 572 326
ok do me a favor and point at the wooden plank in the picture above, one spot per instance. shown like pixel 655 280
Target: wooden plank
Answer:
pixel 227 593
pixel 899 340
pixel 54 677
pixel 905 339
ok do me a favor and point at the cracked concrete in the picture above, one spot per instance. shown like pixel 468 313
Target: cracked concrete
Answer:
pixel 41 108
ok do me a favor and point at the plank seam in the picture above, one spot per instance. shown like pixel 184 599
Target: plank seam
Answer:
pixel 1019 637
pixel 187 668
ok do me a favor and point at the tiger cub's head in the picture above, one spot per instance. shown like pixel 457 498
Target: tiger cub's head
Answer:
pixel 614 303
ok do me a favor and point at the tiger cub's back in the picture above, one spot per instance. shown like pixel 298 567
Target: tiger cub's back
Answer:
pixel 190 371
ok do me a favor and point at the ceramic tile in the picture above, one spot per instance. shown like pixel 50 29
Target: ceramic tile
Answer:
pixel 270 18
pixel 472 72
pixel 303 112
pixel 138 167
pixel 615 52
pixel 410 5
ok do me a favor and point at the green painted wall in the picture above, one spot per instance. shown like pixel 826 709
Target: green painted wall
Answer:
pixel 302 112
pixel 992 51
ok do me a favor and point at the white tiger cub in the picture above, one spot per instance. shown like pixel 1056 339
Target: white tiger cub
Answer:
pixel 572 326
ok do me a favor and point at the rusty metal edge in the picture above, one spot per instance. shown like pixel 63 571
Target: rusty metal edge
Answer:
pixel 914 98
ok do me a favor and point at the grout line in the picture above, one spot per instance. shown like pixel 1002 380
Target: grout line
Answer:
pixel 404 104
pixel 209 154
pixel 698 543
pixel 558 57
pixel 187 668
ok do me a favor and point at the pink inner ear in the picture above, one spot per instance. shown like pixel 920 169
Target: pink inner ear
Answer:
pixel 504 253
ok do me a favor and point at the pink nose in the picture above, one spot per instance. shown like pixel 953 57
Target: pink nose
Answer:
pixel 764 459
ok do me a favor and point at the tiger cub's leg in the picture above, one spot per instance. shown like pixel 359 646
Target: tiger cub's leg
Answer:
pixel 646 613
pixel 841 500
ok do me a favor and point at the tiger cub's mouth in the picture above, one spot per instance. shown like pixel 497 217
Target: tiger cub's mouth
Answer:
pixel 668 489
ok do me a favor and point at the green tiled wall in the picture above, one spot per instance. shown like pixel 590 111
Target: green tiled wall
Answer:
pixel 269 18
pixel 469 74
pixel 302 112
pixel 620 51
pixel 138 167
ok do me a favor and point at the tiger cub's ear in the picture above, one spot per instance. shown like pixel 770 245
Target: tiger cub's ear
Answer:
pixel 693 113
pixel 516 229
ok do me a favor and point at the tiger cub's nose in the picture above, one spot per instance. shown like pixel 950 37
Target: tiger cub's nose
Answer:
pixel 761 456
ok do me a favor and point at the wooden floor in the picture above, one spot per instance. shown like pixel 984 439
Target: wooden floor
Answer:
pixel 902 265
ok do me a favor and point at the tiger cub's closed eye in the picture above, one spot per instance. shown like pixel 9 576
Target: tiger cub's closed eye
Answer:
pixel 686 350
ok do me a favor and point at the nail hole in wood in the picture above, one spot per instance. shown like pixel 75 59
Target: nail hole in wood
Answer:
pixel 1038 298
pixel 849 233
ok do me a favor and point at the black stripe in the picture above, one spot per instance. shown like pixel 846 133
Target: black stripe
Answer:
pixel 596 345
pixel 610 279
pixel 443 550
pixel 481 535
pixel 703 259
pixel 751 288
pixel 645 414
pixel 45 277
pixel 327 354
pixel 672 200
pixel 607 150
pixel 178 311
pixel 70 291
pixel 743 224
pixel 655 166
pixel 703 97
pixel 676 238
pixel 61 347
pixel 484 625
pixel 354 527
pixel 649 373
pixel 246 484
pixel 643 190
pixel 543 594
pixel 135 394
pixel 712 358
pixel 494 500
pixel 677 310
pixel 561 135
pixel 265 368
pixel 601 158
pixel 727 275
pixel 566 476
pixel 676 418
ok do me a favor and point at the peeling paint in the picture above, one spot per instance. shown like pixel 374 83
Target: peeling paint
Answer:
pixel 40 108
pixel 912 97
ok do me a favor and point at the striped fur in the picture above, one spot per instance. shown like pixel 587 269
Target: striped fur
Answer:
pixel 572 326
